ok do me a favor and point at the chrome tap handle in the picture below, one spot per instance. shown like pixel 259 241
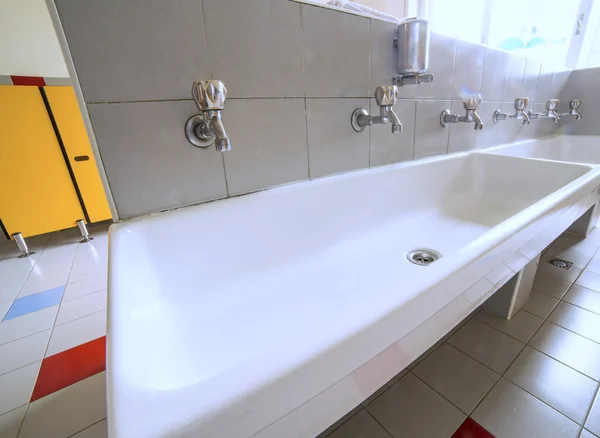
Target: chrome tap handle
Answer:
pixel 472 102
pixel 552 104
pixel 386 95
pixel 574 104
pixel 521 103
pixel 209 95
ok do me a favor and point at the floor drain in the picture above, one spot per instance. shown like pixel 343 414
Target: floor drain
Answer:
pixel 560 263
pixel 422 257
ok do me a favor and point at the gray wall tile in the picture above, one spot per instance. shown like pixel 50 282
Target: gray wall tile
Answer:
pixel 149 163
pixel 559 80
pixel 530 79
pixel 461 135
pixel 430 137
pixel 388 148
pixel 135 49
pixel 441 64
pixel 336 53
pixel 255 60
pixel 265 152
pixel 468 69
pixel 333 146
pixel 494 73
pixel 487 136
pixel 515 68
pixel 544 81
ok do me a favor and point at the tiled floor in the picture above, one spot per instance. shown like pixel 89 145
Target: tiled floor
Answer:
pixel 52 337
pixel 536 375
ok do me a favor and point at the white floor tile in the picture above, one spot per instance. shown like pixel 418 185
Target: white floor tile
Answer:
pixel 384 387
pixel 594 265
pixel 569 348
pixel 26 325
pixel 34 285
pixel 362 424
pixel 82 271
pixel 16 387
pixel 550 285
pixel 460 379
pixel 24 351
pixel 540 304
pixel 510 412
pixel 521 326
pixel 411 408
pixel 10 291
pixel 4 308
pixel 589 279
pixel 81 307
pixel 578 244
pixel 57 270
pixel 569 275
pixel 566 390
pixel 579 260
pixel 10 423
pixel 85 287
pixel 577 320
pixel 486 345
pixel 77 332
pixel 583 297
pixel 593 422
pixel 17 267
pixel 67 411
pixel 587 434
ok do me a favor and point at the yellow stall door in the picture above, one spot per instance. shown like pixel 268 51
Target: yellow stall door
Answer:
pixel 75 140
pixel 36 191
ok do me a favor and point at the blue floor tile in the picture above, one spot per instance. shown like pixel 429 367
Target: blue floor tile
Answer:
pixel 33 303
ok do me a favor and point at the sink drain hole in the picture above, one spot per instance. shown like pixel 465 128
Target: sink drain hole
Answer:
pixel 422 257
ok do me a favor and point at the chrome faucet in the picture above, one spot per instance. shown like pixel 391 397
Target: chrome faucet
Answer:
pixel 470 104
pixel 385 96
pixel 573 109
pixel 207 128
pixel 520 114
pixel 551 105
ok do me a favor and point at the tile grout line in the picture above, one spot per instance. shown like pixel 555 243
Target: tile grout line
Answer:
pixel 49 340
pixel 87 427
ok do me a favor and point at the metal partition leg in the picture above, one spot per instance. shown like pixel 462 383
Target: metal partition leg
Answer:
pixel 20 240
pixel 84 232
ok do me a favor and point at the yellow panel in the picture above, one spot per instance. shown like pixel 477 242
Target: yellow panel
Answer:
pixel 36 192
pixel 74 136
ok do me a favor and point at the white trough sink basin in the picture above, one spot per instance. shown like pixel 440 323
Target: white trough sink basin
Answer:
pixel 571 148
pixel 257 315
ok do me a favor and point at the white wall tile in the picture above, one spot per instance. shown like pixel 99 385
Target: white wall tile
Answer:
pixel 275 154
pixel 515 68
pixel 255 60
pixel 388 148
pixel 468 69
pixel 530 79
pixel 430 137
pixel 441 64
pixel 333 146
pixel 545 80
pixel 336 53
pixel 494 72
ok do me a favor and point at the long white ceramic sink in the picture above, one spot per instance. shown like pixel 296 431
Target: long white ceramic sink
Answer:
pixel 571 148
pixel 258 315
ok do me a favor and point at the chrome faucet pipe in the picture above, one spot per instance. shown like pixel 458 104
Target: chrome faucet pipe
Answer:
pixel 551 105
pixel 385 96
pixel 520 104
pixel 573 109
pixel 207 128
pixel 470 104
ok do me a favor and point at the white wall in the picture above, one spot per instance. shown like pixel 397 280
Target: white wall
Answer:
pixel 28 43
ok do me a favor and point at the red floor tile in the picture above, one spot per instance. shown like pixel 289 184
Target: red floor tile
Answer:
pixel 471 429
pixel 69 367
pixel 28 80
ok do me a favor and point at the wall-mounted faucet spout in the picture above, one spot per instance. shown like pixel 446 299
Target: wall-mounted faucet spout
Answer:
pixel 470 104
pixel 385 96
pixel 207 128
pixel 551 105
pixel 573 109
pixel 520 104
